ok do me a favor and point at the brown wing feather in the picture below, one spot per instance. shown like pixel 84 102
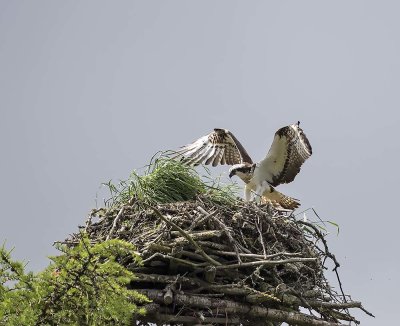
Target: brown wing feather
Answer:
pixel 288 152
pixel 279 200
pixel 218 147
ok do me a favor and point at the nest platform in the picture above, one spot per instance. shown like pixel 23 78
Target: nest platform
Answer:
pixel 207 263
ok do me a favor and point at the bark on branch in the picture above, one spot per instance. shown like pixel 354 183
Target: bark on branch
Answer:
pixel 236 308
pixel 187 237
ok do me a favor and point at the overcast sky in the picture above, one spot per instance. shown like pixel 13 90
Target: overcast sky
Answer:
pixel 90 90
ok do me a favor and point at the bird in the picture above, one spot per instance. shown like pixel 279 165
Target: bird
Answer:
pixel 289 150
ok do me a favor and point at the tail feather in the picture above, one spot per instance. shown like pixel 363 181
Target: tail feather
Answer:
pixel 279 200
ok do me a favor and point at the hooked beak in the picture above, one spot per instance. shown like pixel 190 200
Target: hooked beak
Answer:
pixel 231 174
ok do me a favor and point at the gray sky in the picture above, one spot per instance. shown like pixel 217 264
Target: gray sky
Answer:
pixel 90 90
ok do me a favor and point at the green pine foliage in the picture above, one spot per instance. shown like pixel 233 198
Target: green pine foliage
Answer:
pixel 85 285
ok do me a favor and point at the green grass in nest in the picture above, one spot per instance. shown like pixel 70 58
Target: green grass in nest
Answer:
pixel 166 180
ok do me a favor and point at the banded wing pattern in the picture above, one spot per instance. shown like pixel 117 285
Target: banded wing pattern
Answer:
pixel 289 150
pixel 218 147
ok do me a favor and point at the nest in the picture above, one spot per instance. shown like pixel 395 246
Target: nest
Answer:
pixel 207 263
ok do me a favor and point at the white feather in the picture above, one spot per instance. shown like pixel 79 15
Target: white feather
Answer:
pixel 274 162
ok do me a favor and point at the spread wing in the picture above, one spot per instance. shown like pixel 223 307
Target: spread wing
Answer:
pixel 218 147
pixel 289 150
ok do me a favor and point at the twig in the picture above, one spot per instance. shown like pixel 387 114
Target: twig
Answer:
pixel 261 237
pixel 115 222
pixel 327 253
pixel 200 220
pixel 203 235
pixel 177 260
pixel 231 253
pixel 214 245
pixel 269 263
pixel 224 229
pixel 185 235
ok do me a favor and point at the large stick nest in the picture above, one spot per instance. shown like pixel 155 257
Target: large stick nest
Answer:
pixel 208 262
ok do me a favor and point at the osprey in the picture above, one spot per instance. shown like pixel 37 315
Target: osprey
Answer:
pixel 289 150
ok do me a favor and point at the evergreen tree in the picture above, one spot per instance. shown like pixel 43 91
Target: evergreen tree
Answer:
pixel 85 285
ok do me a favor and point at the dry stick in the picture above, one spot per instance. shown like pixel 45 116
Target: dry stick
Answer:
pixel 214 245
pixel 367 312
pixel 160 278
pixel 261 237
pixel 168 250
pixel 231 253
pixel 176 260
pixel 236 308
pixel 200 220
pixel 224 229
pixel 268 262
pixel 335 305
pixel 119 215
pixel 327 252
pixel 198 234
pixel 342 316
pixel 203 235
pixel 191 254
pixel 188 237
pixel 159 247
pixel 88 221
pixel 116 220
pixel 304 302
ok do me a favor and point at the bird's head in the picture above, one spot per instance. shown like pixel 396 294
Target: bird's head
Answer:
pixel 243 170
pixel 296 126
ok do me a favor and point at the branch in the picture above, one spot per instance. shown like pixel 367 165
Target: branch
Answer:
pixel 170 316
pixel 268 263
pixel 228 306
pixel 197 236
pixel 224 229
pixel 257 256
pixel 176 260
pixel 116 220
pixel 327 252
pixel 185 235
pixel 251 295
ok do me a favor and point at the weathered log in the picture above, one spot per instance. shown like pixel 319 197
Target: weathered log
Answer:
pixel 250 295
pixel 229 306
pixel 209 273
pixel 191 320
pixel 168 295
